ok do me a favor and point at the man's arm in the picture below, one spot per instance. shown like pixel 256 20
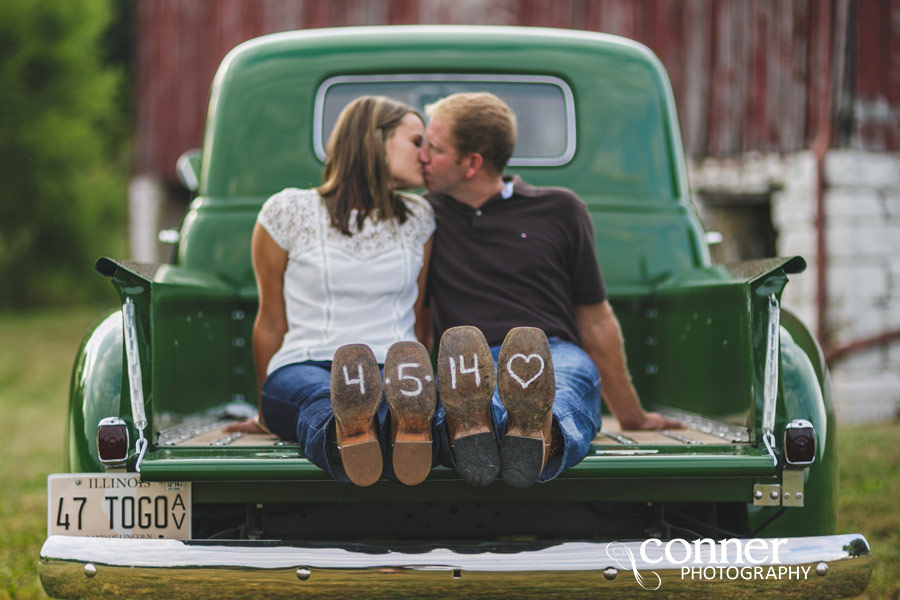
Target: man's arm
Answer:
pixel 601 338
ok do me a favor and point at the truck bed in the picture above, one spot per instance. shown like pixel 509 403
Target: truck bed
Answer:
pixel 699 431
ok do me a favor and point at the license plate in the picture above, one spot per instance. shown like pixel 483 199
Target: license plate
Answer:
pixel 118 505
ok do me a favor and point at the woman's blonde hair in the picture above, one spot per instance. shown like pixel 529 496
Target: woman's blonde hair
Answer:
pixel 358 172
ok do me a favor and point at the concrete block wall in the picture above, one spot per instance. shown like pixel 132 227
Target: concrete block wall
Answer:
pixel 862 201
pixel 863 239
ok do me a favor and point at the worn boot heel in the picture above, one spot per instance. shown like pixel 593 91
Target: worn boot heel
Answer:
pixel 466 384
pixel 362 462
pixel 522 459
pixel 527 388
pixel 412 461
pixel 355 396
pixel 409 390
pixel 477 460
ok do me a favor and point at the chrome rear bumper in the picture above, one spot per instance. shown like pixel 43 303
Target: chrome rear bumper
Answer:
pixel 815 567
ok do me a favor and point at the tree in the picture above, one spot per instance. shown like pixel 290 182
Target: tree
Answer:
pixel 62 173
pixel 856 547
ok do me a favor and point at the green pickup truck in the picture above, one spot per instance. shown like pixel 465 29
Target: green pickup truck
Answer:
pixel 157 500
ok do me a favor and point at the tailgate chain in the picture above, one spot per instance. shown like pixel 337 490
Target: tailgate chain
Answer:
pixel 135 381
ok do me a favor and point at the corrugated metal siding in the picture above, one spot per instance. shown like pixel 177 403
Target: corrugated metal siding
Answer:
pixel 875 110
pixel 747 74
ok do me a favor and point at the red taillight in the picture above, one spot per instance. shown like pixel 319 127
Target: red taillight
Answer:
pixel 799 442
pixel 112 441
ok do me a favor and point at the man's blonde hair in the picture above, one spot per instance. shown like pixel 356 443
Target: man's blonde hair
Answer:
pixel 480 122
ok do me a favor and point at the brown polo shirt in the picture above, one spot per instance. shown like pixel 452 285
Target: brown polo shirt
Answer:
pixel 525 260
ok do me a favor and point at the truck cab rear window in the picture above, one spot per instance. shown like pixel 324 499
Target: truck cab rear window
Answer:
pixel 543 106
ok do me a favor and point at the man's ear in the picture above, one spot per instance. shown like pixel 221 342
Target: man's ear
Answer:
pixel 473 164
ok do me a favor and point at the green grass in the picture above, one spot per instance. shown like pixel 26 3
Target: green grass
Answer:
pixel 36 354
pixel 870 498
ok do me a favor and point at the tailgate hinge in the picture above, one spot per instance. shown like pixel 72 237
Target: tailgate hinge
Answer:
pixel 788 493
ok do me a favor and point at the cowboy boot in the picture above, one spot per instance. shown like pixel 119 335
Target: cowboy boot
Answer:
pixel 466 385
pixel 527 388
pixel 355 396
pixel 409 390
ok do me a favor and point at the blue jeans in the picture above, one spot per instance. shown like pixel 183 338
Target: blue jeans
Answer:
pixel 296 406
pixel 576 408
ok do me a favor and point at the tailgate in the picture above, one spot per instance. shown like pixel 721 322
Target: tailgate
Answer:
pixel 711 458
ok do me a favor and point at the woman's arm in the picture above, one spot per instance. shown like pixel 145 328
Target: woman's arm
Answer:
pixel 424 330
pixel 269 264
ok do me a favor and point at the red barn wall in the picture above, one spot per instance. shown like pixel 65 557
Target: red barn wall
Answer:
pixel 747 75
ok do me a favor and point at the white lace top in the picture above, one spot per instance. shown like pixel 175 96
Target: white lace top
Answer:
pixel 344 290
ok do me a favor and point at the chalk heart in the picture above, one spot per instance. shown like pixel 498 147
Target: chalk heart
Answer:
pixel 525 368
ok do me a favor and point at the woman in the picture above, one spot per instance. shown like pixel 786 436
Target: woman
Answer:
pixel 341 272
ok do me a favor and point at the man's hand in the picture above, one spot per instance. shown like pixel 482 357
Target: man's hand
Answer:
pixel 249 426
pixel 651 420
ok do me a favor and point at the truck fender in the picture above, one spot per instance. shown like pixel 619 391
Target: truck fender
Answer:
pixel 95 392
pixel 807 395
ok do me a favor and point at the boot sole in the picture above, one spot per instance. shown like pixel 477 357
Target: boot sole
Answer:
pixel 466 383
pixel 527 387
pixel 355 396
pixel 409 390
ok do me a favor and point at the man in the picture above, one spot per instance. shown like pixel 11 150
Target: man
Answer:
pixel 516 262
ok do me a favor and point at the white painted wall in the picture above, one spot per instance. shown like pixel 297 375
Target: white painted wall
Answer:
pixel 152 207
pixel 863 240
pixel 146 198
